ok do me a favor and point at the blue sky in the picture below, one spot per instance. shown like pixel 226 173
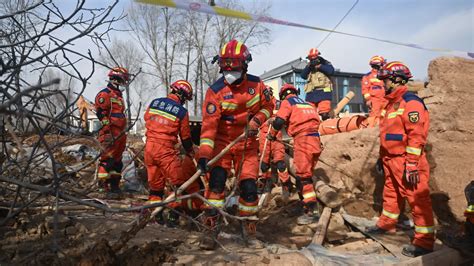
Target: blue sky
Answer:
pixel 437 23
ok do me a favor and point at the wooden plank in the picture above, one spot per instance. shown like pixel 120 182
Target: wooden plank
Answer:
pixel 320 234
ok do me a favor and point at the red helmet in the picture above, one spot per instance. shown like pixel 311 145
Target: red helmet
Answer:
pixel 393 70
pixel 234 56
pixel 377 60
pixel 119 73
pixel 313 53
pixel 287 89
pixel 184 88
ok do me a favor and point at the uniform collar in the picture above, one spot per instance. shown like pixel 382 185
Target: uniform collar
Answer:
pixel 290 96
pixel 174 97
pixel 114 88
pixel 397 93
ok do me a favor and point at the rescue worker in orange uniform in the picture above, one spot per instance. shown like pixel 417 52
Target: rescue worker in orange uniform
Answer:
pixel 302 123
pixel 373 90
pixel 237 102
pixel 273 153
pixel 319 85
pixel 469 214
pixel 110 108
pixel 165 120
pixel 465 242
pixel 403 133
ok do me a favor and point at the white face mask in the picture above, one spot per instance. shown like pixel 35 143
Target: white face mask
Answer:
pixel 232 76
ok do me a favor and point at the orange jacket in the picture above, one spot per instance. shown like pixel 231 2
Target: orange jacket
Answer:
pixel 226 109
pixel 372 86
pixel 300 116
pixel 165 119
pixel 110 108
pixel 404 125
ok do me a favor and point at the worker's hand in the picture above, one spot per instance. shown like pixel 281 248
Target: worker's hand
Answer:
pixel 270 120
pixel 264 167
pixel 252 129
pixel 271 137
pixel 202 165
pixel 411 173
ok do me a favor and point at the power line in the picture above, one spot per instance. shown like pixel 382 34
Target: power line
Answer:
pixel 340 21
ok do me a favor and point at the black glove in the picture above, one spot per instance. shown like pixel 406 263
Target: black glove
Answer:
pixel 315 62
pixel 264 167
pixel 469 192
pixel 252 129
pixel 202 165
pixel 411 173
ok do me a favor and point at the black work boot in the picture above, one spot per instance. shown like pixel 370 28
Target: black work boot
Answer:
pixel 172 220
pixel 103 185
pixel 211 219
pixel 414 251
pixel 115 192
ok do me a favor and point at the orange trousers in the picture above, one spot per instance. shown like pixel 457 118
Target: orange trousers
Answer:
pixel 234 157
pixel 396 189
pixel 307 148
pixel 274 153
pixel 164 165
pixel 322 107
pixel 110 161
pixel 247 179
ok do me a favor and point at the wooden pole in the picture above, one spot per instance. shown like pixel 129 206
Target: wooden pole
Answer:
pixel 321 229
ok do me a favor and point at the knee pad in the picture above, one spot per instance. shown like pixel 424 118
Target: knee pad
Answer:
pixel 306 181
pixel 108 164
pixel 118 165
pixel 160 193
pixel 217 179
pixel 301 182
pixel 281 166
pixel 248 190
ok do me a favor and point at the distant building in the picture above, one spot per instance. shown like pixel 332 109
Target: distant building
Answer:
pixel 342 81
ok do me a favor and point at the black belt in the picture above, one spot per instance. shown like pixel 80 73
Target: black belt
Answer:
pixel 117 115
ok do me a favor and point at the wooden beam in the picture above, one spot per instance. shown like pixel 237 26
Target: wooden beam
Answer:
pixel 320 234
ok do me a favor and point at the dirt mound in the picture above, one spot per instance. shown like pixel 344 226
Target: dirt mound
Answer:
pixel 348 161
pixel 449 99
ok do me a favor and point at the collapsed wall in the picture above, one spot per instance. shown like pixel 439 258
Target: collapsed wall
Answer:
pixel 348 160
pixel 450 98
